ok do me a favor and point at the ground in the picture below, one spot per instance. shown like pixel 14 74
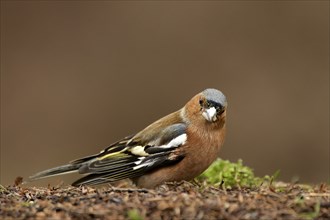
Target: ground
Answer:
pixel 183 200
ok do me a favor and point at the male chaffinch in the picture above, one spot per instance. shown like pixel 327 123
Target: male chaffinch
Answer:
pixel 179 146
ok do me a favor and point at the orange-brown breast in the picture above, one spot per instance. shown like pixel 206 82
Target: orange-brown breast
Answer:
pixel 201 149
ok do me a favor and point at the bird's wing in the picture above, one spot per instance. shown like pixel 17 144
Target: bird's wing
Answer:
pixel 133 156
pixel 115 151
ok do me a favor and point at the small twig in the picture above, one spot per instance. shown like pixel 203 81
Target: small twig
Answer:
pixel 2 188
pixel 129 190
pixel 317 194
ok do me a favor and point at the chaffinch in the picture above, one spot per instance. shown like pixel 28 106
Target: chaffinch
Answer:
pixel 179 146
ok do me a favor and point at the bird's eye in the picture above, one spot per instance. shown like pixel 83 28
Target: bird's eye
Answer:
pixel 219 109
pixel 201 102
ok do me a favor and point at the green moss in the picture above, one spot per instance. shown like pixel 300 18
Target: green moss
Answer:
pixel 230 175
pixel 134 214
pixel 27 204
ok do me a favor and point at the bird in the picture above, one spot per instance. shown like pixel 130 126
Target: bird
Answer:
pixel 179 146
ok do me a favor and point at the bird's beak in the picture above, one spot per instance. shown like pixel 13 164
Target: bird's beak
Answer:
pixel 210 114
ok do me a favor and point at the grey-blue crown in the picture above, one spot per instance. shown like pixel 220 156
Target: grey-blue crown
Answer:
pixel 216 96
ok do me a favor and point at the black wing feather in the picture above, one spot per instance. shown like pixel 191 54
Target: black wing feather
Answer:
pixel 120 161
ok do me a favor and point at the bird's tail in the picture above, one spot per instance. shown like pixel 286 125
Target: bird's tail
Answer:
pixel 64 169
pixel 72 167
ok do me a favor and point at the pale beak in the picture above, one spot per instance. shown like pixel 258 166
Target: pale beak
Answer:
pixel 210 114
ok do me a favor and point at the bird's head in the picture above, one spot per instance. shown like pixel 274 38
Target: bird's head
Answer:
pixel 213 104
pixel 208 107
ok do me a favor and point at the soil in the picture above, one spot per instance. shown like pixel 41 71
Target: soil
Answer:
pixel 169 201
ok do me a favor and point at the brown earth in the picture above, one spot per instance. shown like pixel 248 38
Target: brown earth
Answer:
pixel 169 201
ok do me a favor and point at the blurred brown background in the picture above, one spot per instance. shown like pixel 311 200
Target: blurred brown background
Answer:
pixel 78 75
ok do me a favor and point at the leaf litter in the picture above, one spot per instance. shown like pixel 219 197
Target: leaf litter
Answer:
pixel 183 200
